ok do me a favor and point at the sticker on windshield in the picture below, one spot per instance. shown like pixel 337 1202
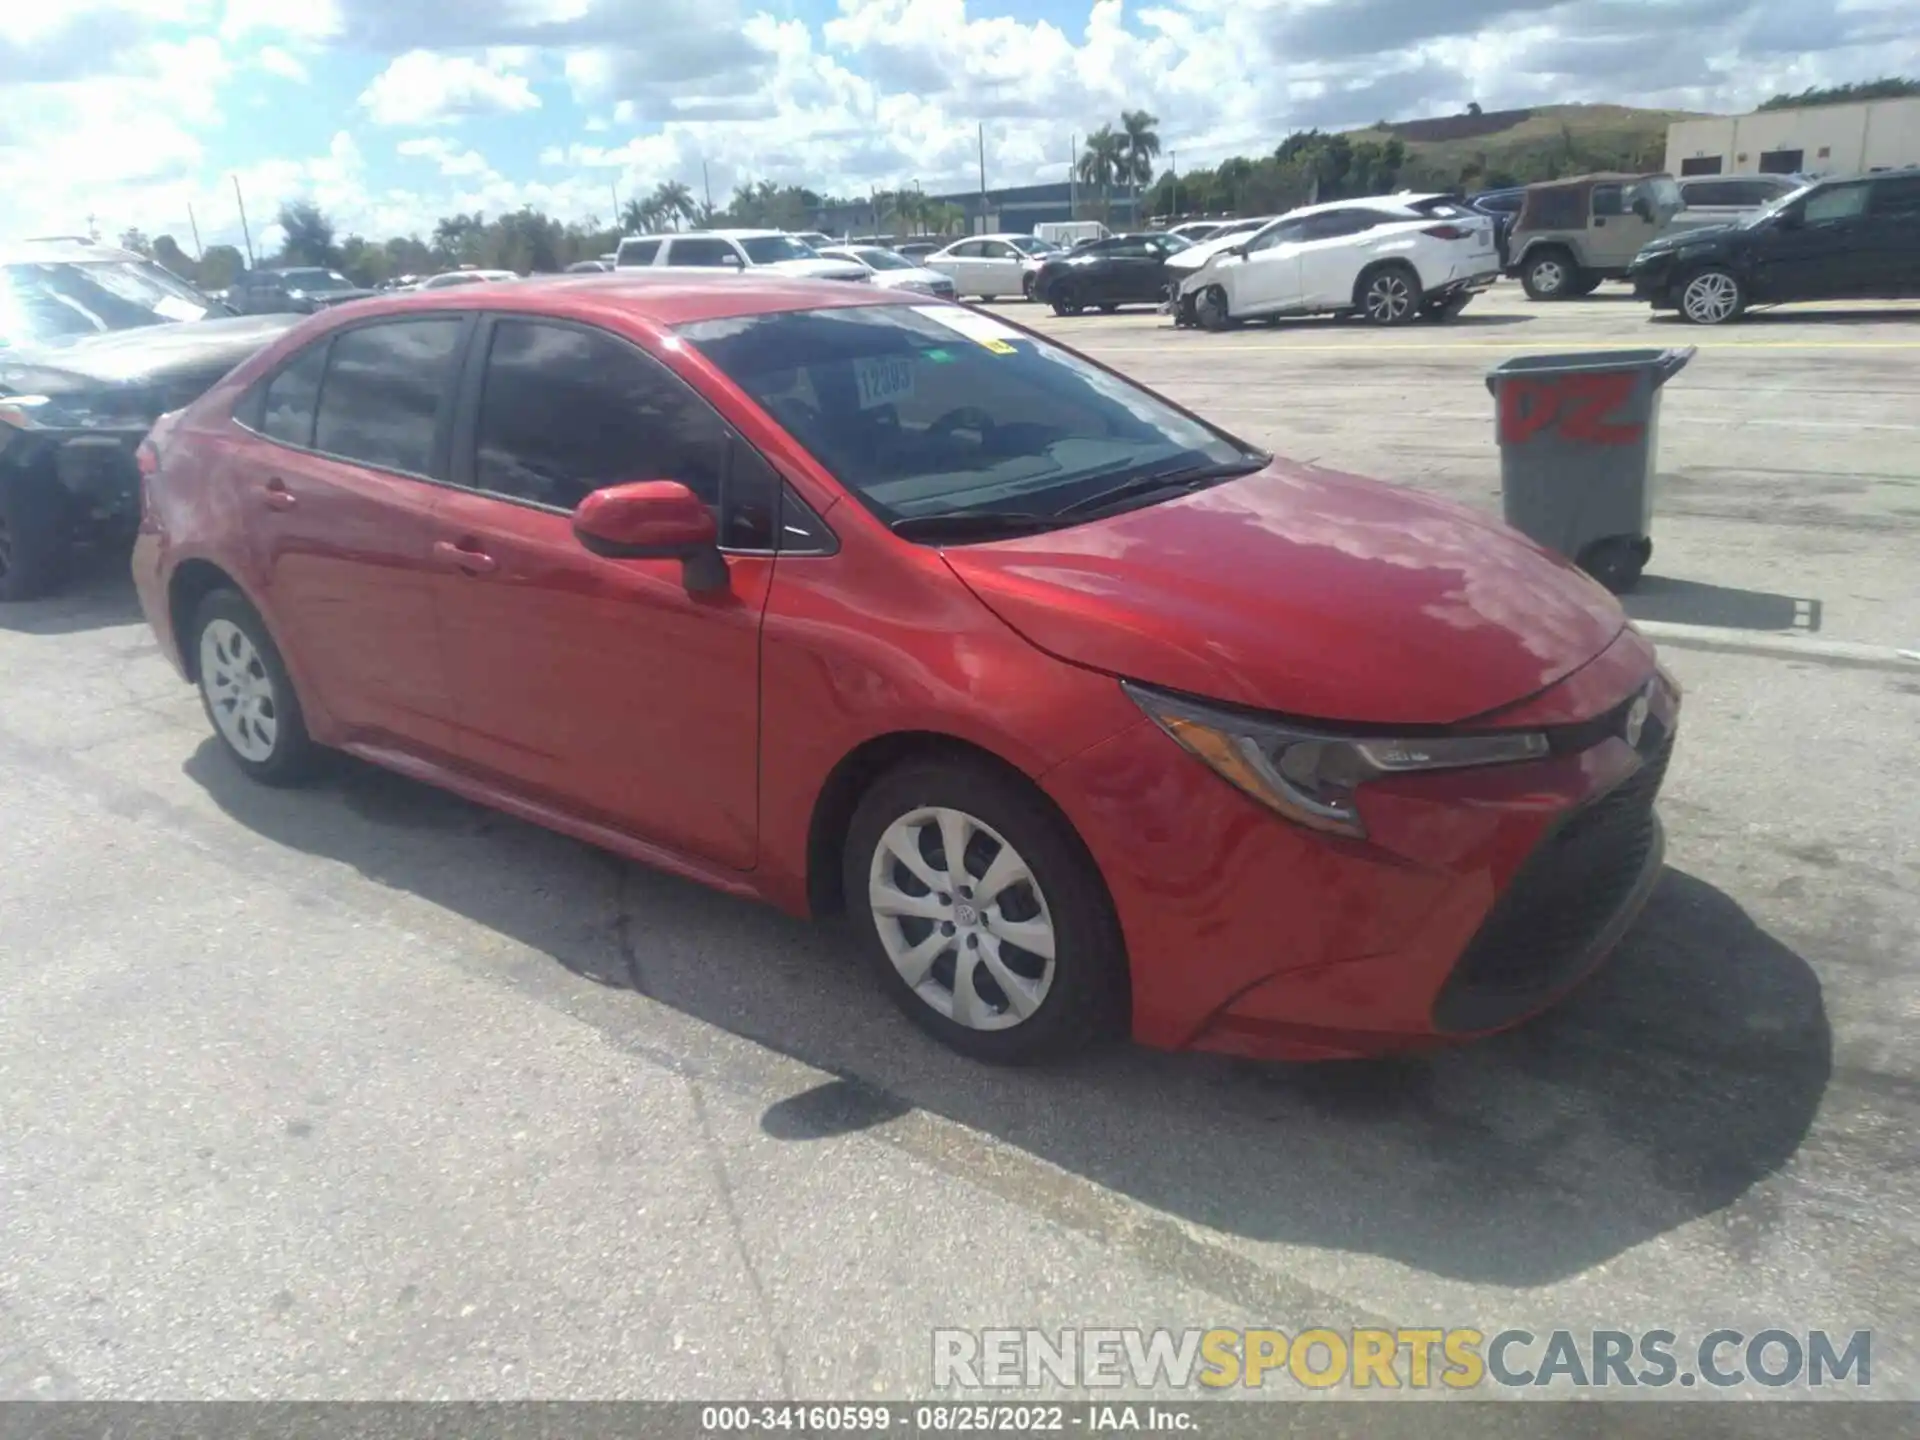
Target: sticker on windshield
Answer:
pixel 981 329
pixel 173 309
pixel 883 379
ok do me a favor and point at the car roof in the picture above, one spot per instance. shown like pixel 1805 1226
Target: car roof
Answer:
pixel 665 298
pixel 1602 177
pixel 61 250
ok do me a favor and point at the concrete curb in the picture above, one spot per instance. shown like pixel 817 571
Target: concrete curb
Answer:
pixel 1848 654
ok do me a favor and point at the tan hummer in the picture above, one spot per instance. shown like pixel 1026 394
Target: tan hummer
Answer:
pixel 1571 234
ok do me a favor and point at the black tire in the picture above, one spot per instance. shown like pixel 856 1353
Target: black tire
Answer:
pixel 1388 294
pixel 1548 273
pixel 1211 309
pixel 1711 295
pixel 1026 287
pixel 1617 561
pixel 1583 284
pixel 36 535
pixel 293 757
pixel 1085 1001
pixel 1065 299
pixel 1443 310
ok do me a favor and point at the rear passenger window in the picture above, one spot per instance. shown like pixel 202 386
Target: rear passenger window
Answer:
pixel 637 252
pixel 1609 200
pixel 388 387
pixel 1897 197
pixel 286 411
pixel 700 251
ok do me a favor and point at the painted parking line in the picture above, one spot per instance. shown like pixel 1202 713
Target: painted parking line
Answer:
pixel 1362 347
pixel 1782 644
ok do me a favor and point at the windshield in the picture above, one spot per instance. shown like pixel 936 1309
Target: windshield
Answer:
pixel 767 249
pixel 1774 207
pixel 315 280
pixel 937 410
pixel 49 304
pixel 878 259
pixel 1032 245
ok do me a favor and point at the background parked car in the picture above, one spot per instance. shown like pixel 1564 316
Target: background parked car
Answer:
pixel 1854 238
pixel 918 250
pixel 1725 199
pixel 1504 207
pixel 772 251
pixel 814 238
pixel 1572 234
pixel 891 271
pixel 1106 274
pixel 991 266
pixel 451 278
pixel 293 290
pixel 95 344
pixel 1392 258
pixel 588 267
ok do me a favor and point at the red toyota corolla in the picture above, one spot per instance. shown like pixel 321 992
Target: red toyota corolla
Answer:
pixel 1095 717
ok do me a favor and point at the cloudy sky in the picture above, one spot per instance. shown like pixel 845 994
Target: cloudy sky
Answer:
pixel 389 113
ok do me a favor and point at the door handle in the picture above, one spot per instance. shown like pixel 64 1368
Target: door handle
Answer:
pixel 277 495
pixel 464 556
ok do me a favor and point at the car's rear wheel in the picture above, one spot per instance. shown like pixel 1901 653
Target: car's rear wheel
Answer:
pixel 1212 308
pixel 1548 275
pixel 1389 295
pixel 248 695
pixel 36 535
pixel 1066 299
pixel 1712 297
pixel 982 913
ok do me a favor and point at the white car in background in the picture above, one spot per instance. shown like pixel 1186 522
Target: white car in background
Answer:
pixel 891 271
pixel 464 277
pixel 1392 259
pixel 772 252
pixel 990 266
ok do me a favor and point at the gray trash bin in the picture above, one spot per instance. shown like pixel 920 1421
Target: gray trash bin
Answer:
pixel 1577 439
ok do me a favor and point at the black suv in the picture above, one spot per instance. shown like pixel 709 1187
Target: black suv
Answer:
pixel 96 344
pixel 1853 238
pixel 297 290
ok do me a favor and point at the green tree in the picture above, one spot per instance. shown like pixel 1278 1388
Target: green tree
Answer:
pixel 1102 164
pixel 1889 87
pixel 167 253
pixel 307 235
pixel 1142 134
pixel 219 267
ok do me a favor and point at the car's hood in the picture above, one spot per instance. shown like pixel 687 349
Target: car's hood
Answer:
pixel 907 279
pixel 1688 235
pixel 186 351
pixel 1306 593
pixel 324 298
pixel 817 269
pixel 1199 253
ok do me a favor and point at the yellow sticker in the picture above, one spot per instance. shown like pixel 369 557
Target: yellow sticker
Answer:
pixel 998 347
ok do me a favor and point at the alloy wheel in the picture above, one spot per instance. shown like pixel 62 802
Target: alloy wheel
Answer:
pixel 239 691
pixel 1389 298
pixel 962 918
pixel 1549 277
pixel 1710 298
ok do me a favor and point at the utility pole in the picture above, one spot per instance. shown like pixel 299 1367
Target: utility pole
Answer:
pixel 706 186
pixel 1073 177
pixel 198 253
pixel 245 233
pixel 983 180
pixel 614 186
pixel 93 226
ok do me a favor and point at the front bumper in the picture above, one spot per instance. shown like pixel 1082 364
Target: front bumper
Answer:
pixel 1479 899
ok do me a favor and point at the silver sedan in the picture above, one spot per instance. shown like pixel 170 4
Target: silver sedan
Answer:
pixel 893 272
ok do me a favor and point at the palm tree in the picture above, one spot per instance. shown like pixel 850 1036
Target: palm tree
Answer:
pixel 675 202
pixel 1103 162
pixel 1140 131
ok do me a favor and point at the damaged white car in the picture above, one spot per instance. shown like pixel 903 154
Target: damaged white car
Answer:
pixel 1393 259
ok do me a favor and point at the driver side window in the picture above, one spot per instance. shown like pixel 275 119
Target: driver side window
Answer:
pixel 1287 234
pixel 1842 202
pixel 1609 200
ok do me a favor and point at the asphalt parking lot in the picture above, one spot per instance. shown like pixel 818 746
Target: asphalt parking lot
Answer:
pixel 362 1091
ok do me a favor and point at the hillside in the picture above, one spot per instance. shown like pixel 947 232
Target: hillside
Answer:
pixel 1512 146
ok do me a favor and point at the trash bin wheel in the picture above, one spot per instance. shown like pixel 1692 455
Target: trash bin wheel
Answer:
pixel 1549 274
pixel 1616 562
pixel 1712 296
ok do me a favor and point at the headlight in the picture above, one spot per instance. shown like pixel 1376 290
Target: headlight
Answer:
pixel 1311 777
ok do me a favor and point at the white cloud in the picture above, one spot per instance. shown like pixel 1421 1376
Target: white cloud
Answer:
pixel 452 160
pixel 276 61
pixel 424 88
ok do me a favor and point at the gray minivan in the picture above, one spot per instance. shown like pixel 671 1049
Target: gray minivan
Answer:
pixel 1728 199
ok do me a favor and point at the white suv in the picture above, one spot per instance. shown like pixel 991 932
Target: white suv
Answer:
pixel 768 251
pixel 1389 258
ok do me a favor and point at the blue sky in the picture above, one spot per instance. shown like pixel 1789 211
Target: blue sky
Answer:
pixel 390 113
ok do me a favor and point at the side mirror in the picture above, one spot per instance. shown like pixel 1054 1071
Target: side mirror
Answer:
pixel 654 520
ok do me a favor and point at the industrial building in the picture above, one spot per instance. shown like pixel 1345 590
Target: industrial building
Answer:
pixel 1810 140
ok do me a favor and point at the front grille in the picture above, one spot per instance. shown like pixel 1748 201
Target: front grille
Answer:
pixel 1542 932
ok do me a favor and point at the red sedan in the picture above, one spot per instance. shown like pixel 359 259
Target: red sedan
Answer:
pixel 1095 717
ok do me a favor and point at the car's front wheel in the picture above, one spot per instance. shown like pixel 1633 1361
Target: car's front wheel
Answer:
pixel 1212 308
pixel 1712 297
pixel 983 914
pixel 1026 287
pixel 248 695
pixel 1549 275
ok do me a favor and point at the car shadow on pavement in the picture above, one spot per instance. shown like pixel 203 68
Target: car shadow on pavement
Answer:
pixel 1693 602
pixel 1670 1086
pixel 98 595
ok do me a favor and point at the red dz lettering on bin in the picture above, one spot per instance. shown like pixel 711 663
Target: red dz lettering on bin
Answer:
pixel 1577 406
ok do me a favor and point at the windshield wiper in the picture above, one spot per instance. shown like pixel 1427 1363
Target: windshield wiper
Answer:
pixel 972 524
pixel 1187 478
